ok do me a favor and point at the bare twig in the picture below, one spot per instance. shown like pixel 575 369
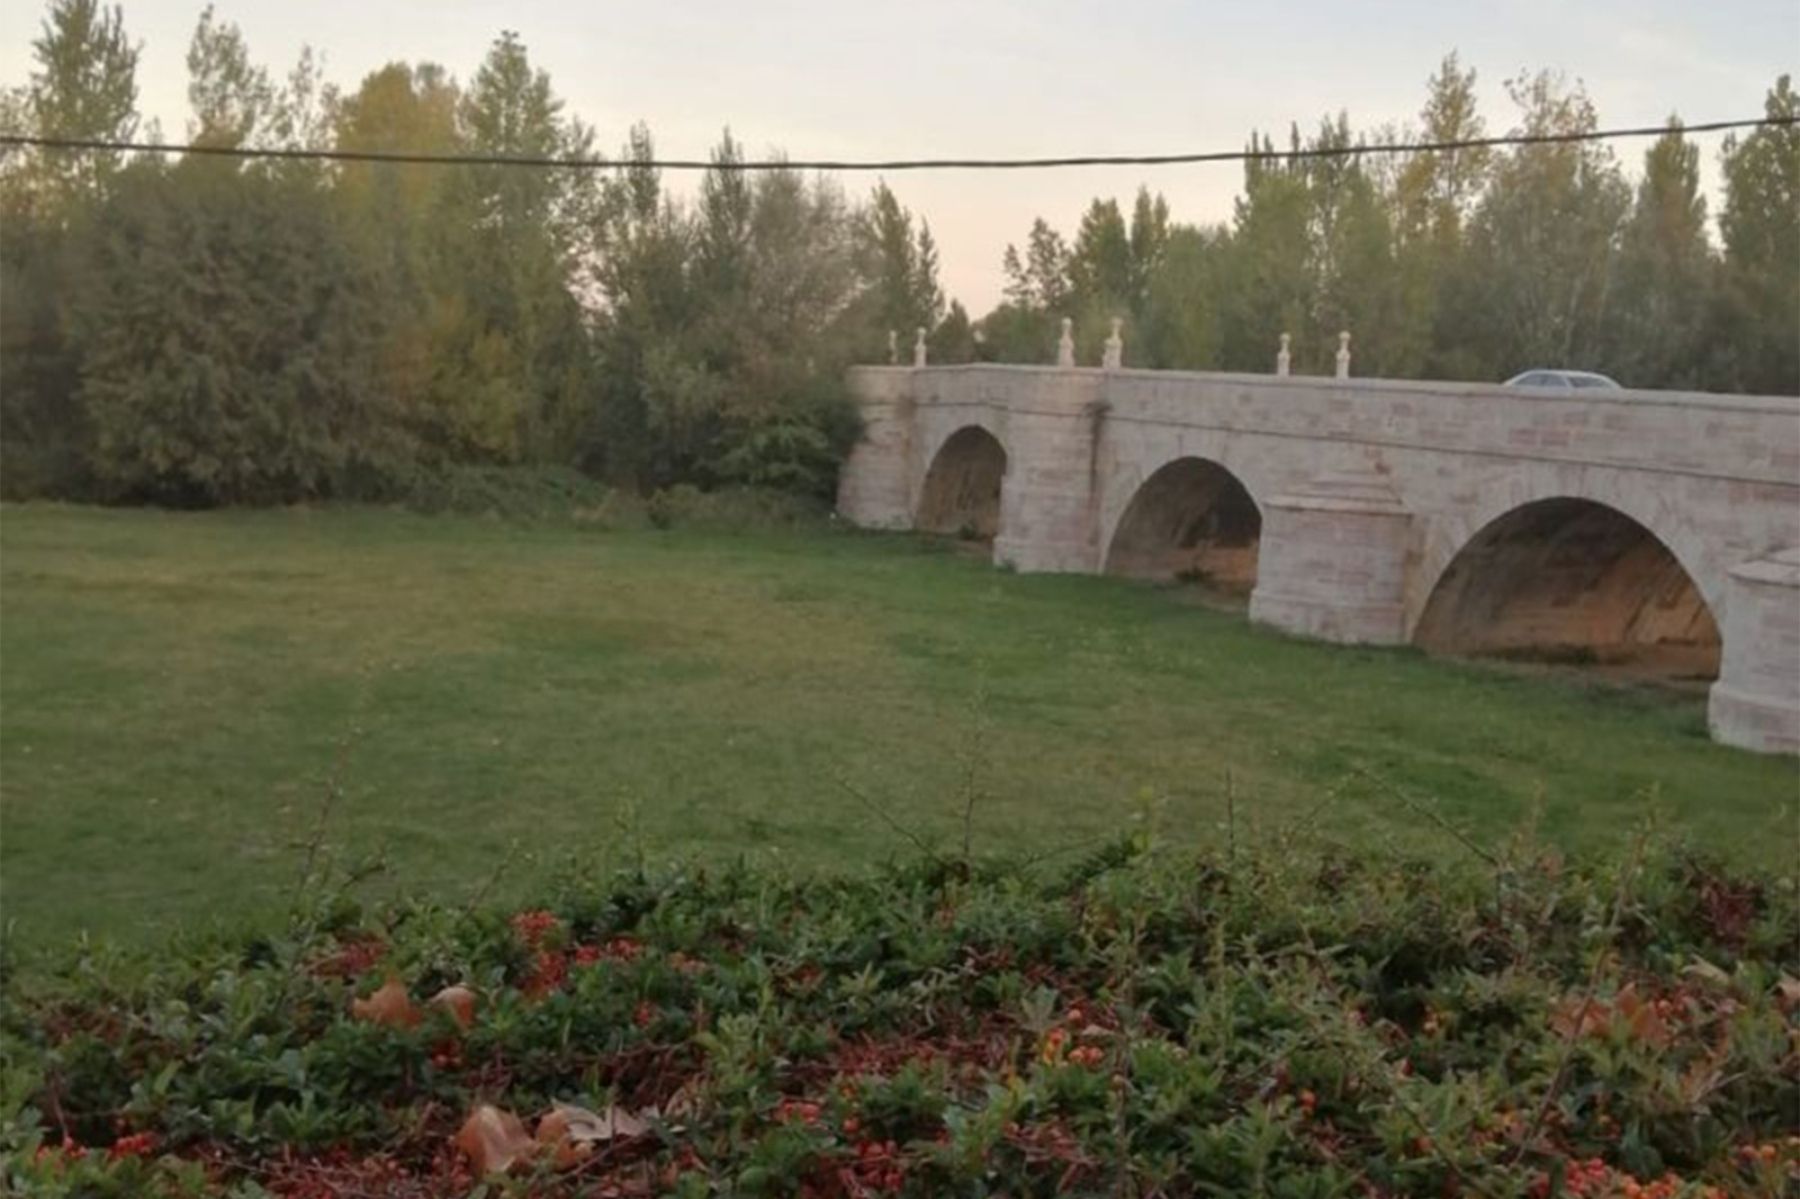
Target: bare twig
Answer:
pixel 1420 809
pixel 315 843
pixel 972 760
pixel 1044 855
pixel 1230 826
pixel 494 875
pixel 882 814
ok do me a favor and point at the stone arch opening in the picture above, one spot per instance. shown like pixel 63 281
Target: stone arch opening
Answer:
pixel 1573 581
pixel 961 495
pixel 1191 520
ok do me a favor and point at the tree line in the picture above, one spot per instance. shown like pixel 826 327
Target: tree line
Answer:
pixel 204 330
pixel 1459 264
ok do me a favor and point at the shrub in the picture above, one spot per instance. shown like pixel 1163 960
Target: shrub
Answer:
pixel 1140 1023
pixel 515 492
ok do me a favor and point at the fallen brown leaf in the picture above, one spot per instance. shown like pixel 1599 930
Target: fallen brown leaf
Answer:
pixel 390 1006
pixel 493 1139
pixel 553 1136
pixel 459 1001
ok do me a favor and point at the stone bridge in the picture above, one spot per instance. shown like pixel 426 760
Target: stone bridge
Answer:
pixel 1656 530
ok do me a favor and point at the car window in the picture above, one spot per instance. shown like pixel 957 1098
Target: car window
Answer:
pixel 1591 381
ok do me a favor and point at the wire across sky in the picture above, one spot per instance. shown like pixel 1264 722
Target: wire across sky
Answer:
pixel 84 145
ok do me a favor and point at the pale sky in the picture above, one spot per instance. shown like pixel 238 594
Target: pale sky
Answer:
pixel 1001 78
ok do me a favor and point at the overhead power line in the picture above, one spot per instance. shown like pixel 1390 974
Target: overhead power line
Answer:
pixel 78 145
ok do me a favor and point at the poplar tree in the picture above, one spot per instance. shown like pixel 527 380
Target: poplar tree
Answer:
pixel 1759 313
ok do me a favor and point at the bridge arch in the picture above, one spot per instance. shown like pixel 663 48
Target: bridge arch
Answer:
pixel 960 493
pixel 1572 578
pixel 1191 518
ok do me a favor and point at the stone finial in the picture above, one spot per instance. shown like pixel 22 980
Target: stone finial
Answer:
pixel 1343 355
pixel 1282 357
pixel 1115 346
pixel 919 347
pixel 893 348
pixel 1065 346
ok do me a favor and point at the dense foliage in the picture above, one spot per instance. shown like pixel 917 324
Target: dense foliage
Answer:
pixel 1145 1022
pixel 1464 264
pixel 206 330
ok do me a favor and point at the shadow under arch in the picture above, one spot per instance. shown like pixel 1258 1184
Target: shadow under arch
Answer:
pixel 961 493
pixel 1191 519
pixel 1572 580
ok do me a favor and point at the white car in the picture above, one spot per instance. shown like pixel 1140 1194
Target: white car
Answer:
pixel 1561 379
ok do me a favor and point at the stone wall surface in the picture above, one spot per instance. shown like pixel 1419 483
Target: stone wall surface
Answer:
pixel 1369 488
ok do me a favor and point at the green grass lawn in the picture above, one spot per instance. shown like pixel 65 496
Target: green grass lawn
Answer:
pixel 179 692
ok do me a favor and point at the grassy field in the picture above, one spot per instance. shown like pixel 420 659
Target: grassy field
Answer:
pixel 180 692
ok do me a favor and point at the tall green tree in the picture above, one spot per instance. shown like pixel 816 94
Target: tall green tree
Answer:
pixel 232 99
pixel 410 227
pixel 524 227
pixel 1760 288
pixel 1666 273
pixel 639 267
pixel 1537 282
pixel 84 85
pixel 1267 270
pixel 1149 237
pixel 1101 267
pixel 1040 278
pixel 1180 327
pixel 1433 194
pixel 897 264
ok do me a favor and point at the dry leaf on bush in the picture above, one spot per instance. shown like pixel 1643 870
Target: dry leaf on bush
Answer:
pixel 584 1125
pixel 459 1001
pixel 390 1006
pixel 570 1133
pixel 553 1135
pixel 493 1139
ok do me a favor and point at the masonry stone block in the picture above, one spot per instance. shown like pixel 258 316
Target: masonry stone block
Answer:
pixel 1333 563
pixel 874 486
pixel 1756 702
